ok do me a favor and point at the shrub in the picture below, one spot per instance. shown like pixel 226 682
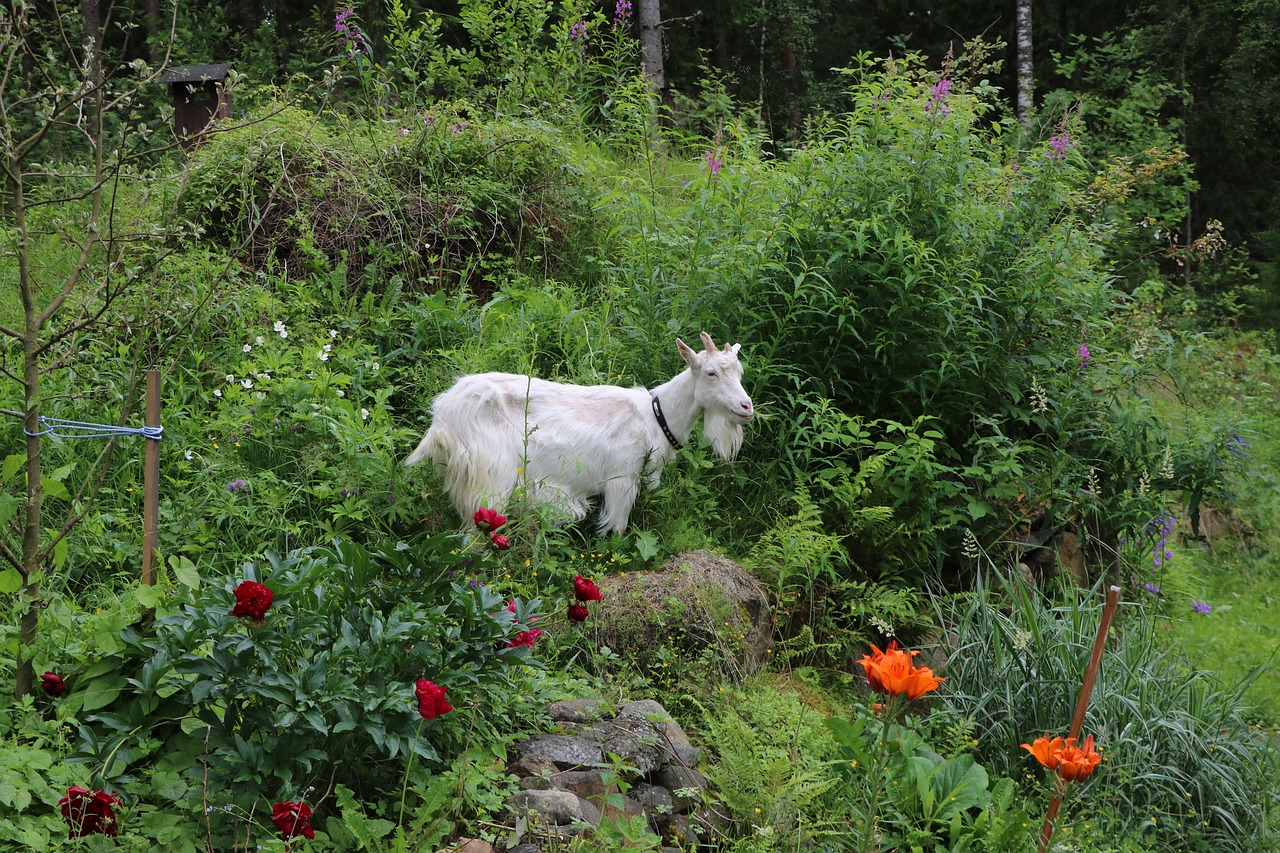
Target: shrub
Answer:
pixel 315 688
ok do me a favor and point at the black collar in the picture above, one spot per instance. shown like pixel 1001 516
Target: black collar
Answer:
pixel 662 422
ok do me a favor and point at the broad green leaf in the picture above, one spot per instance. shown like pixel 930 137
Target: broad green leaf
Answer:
pixel 12 463
pixel 185 571
pixel 10 581
pixel 148 595
pixel 102 692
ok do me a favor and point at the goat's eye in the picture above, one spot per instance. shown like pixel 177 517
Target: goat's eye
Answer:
pixel 711 373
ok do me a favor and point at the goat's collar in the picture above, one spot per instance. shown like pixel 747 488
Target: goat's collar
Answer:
pixel 662 422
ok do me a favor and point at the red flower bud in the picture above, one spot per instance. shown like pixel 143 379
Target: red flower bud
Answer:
pixel 53 684
pixel 501 542
pixel 252 601
pixel 293 819
pixel 488 520
pixel 585 589
pixel 578 613
pixel 431 701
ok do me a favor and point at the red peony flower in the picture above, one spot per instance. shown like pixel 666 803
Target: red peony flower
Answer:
pixel 578 613
pixel 431 701
pixel 585 589
pixel 252 601
pixel 501 542
pixel 53 684
pixel 293 819
pixel 525 638
pixel 89 812
pixel 488 520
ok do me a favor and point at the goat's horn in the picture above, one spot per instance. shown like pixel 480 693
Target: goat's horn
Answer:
pixel 709 344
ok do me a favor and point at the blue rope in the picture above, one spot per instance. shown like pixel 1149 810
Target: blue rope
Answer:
pixel 87 430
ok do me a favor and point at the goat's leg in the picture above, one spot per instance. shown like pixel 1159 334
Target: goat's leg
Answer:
pixel 619 498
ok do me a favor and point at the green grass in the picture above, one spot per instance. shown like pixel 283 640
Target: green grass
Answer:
pixel 1238 572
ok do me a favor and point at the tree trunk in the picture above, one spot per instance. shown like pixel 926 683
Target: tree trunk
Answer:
pixel 157 34
pixel 1026 81
pixel 650 18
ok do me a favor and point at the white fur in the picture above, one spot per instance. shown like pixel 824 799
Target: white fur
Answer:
pixel 499 435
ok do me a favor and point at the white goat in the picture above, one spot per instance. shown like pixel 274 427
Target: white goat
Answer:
pixel 564 444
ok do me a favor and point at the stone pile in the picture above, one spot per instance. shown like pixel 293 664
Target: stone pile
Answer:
pixel 568 782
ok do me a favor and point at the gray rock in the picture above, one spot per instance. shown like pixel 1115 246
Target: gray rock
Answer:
pixel 527 847
pixel 655 798
pixel 564 751
pixel 576 711
pixel 677 741
pixel 636 742
pixel 686 786
pixel 558 809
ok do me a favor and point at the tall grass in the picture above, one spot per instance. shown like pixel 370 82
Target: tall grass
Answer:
pixel 1183 766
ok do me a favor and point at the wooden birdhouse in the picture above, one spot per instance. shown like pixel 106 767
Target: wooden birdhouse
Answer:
pixel 199 97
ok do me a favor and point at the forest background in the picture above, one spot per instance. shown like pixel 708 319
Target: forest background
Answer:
pixel 1005 283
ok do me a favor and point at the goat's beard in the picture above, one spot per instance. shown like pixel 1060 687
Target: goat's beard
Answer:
pixel 724 432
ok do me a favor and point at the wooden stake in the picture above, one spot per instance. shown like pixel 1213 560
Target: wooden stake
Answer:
pixel 151 483
pixel 1082 704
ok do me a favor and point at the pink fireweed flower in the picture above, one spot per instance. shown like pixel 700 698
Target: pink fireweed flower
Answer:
pixel 622 13
pixel 713 163
pixel 578 37
pixel 1058 147
pixel 1082 355
pixel 937 105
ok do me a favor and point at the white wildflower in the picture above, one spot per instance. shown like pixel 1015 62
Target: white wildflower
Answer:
pixel 340 392
pixel 279 328
pixel 246 383
pixel 323 355
pixel 217 392
pixel 364 414
pixel 333 333
pixel 247 348
pixel 188 455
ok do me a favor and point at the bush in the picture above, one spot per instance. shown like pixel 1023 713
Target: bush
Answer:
pixel 320 692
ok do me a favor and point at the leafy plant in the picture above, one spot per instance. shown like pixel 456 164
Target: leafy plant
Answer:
pixel 320 692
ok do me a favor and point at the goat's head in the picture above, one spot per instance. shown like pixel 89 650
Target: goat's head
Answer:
pixel 717 388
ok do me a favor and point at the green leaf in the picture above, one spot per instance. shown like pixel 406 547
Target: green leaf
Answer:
pixel 8 507
pixel 646 545
pixel 54 488
pixel 185 571
pixel 149 596
pixel 101 693
pixel 12 463
pixel 10 581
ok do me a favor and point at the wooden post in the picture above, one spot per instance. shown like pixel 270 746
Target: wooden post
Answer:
pixel 151 482
pixel 1082 704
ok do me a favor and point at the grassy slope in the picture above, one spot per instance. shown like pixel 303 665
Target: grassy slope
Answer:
pixel 1238 574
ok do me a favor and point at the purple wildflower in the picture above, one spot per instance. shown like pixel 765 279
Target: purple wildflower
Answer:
pixel 937 105
pixel 353 41
pixel 1058 147
pixel 1201 607
pixel 1151 588
pixel 578 37
pixel 1236 445
pixel 713 163
pixel 1082 355
pixel 237 486
pixel 404 131
pixel 458 128
pixel 622 13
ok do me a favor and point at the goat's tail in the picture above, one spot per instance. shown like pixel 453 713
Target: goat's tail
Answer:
pixel 475 456
pixel 434 446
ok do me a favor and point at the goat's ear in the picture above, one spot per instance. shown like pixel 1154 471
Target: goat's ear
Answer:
pixel 690 357
pixel 732 350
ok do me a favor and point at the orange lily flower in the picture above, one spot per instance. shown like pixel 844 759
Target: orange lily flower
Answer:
pixel 892 672
pixel 1047 752
pixel 1076 763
